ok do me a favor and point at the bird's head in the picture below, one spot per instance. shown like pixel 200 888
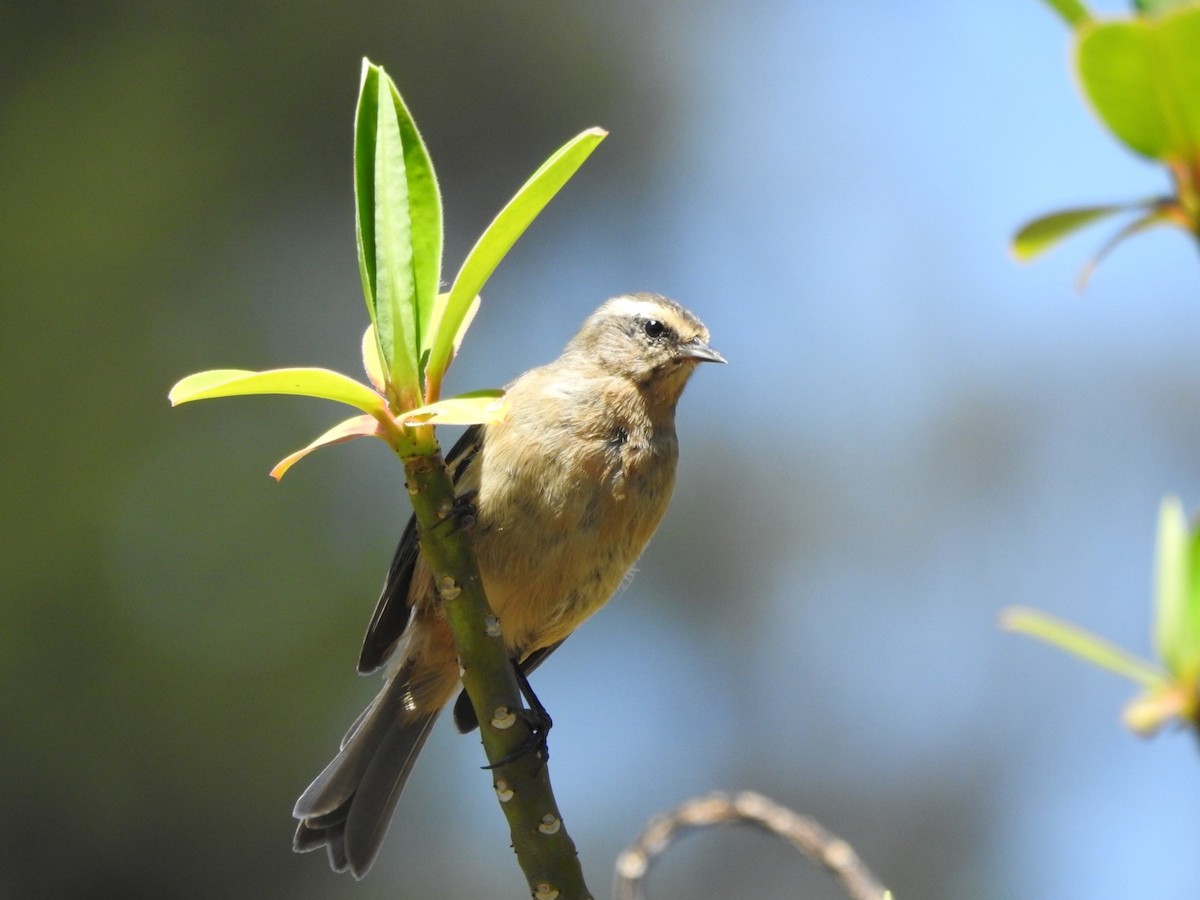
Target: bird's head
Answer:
pixel 647 338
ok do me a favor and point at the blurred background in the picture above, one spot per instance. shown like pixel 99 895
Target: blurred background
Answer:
pixel 913 433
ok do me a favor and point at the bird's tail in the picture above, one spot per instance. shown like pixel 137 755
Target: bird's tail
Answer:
pixel 348 806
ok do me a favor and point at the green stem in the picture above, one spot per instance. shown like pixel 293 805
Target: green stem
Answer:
pixel 1073 12
pixel 544 850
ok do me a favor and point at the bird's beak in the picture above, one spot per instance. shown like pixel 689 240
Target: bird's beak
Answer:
pixel 701 352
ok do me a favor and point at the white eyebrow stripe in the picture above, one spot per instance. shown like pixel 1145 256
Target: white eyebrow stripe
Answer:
pixel 635 306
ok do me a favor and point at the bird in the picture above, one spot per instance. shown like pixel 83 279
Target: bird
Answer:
pixel 564 494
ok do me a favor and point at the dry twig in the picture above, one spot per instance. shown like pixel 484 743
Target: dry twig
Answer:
pixel 719 808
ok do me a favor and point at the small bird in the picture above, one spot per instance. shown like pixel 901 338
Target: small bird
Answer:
pixel 564 493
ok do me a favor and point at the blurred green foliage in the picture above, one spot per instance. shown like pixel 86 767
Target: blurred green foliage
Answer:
pixel 1141 76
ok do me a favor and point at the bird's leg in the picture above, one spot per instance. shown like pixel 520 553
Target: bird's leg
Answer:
pixel 465 510
pixel 538 720
pixel 462 512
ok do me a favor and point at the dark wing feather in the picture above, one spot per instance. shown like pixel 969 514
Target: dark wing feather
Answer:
pixel 393 610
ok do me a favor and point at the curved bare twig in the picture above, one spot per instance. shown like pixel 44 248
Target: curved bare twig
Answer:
pixel 719 808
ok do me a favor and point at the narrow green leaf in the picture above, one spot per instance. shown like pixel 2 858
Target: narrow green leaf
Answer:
pixel 440 309
pixel 396 319
pixel 496 241
pixel 1187 628
pixel 1142 77
pixel 1151 710
pixel 467 319
pixel 322 383
pixel 372 364
pixel 1039 235
pixel 1177 610
pixel 1072 11
pixel 1075 640
pixel 477 407
pixel 398 228
pixel 359 426
pixel 425 212
pixel 1171 578
pixel 1156 7
pixel 366 117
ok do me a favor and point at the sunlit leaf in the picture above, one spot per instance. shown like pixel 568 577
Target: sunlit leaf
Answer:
pixel 366 121
pixel 1187 627
pixel 477 407
pixel 395 289
pixel 399 227
pixel 1177 593
pixel 496 241
pixel 1042 233
pixel 1171 577
pixel 372 364
pixel 359 426
pixel 307 382
pixel 1087 646
pixel 425 212
pixel 1156 7
pixel 467 319
pixel 1150 711
pixel 1142 77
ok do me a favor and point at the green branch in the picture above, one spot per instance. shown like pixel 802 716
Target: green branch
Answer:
pixel 545 851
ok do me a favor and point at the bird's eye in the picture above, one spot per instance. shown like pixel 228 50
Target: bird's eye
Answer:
pixel 653 328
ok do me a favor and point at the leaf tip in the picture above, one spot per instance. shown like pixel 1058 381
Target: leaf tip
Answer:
pixel 1017 250
pixel 1010 618
pixel 179 392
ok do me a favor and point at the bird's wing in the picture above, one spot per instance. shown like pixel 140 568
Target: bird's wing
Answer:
pixel 394 608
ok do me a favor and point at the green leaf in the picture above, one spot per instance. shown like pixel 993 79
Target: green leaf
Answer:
pixel 1039 235
pixel 1177 592
pixel 395 288
pixel 372 364
pixel 323 383
pixel 1150 711
pixel 399 227
pixel 1074 12
pixel 359 426
pixel 496 241
pixel 1171 578
pixel 477 407
pixel 1075 640
pixel 467 319
pixel 1155 7
pixel 1142 77
pixel 366 118
pixel 1187 626
pixel 425 211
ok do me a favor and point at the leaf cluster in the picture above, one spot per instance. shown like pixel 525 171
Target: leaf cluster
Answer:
pixel 415 330
pixel 1141 76
pixel 1171 688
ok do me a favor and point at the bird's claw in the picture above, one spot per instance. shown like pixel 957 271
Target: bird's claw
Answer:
pixel 538 721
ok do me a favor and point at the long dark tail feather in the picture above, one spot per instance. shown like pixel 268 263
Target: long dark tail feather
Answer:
pixel 348 806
